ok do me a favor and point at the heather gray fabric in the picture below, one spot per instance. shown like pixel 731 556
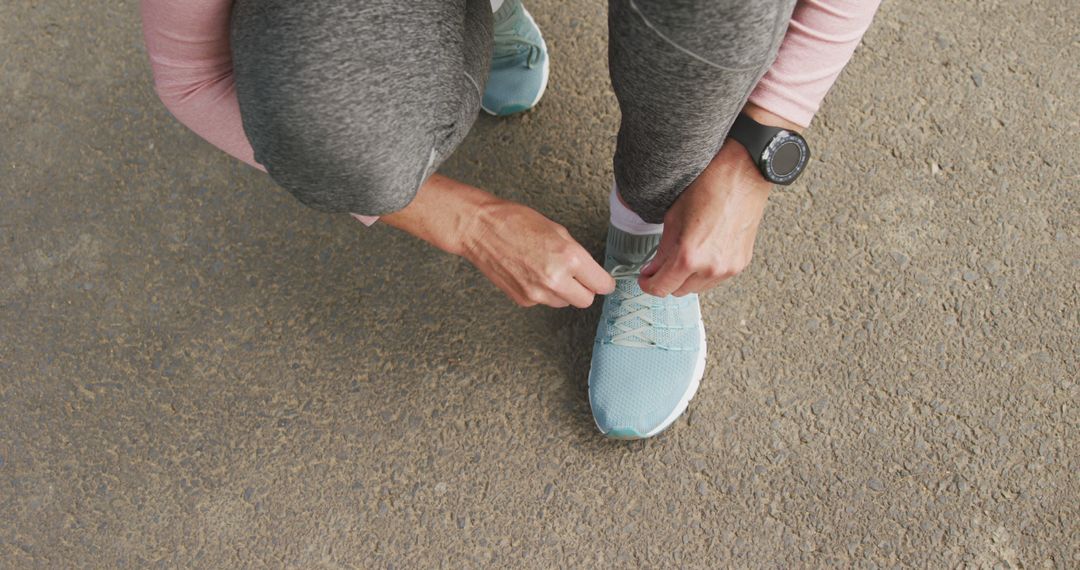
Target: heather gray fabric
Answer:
pixel 351 105
pixel 682 70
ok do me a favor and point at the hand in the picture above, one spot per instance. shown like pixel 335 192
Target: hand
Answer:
pixel 709 231
pixel 531 258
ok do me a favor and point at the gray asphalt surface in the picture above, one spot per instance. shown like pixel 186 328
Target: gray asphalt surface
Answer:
pixel 196 371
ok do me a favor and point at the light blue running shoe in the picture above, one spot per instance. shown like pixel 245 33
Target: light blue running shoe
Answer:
pixel 519 66
pixel 649 353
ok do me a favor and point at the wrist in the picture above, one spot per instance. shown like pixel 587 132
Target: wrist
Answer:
pixel 773 144
pixel 767 117
pixel 479 216
pixel 734 164
pixel 444 213
pixel 737 160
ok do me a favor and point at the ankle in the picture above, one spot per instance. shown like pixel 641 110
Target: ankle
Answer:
pixel 623 218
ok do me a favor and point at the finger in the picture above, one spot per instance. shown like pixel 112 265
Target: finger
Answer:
pixel 714 284
pixel 547 300
pixel 523 302
pixel 593 277
pixel 510 289
pixel 667 279
pixel 519 299
pixel 657 261
pixel 552 300
pixel 557 303
pixel 693 284
pixel 576 294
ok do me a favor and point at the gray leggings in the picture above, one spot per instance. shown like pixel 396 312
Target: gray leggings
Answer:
pixel 351 105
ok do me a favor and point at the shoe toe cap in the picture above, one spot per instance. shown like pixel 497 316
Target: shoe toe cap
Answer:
pixel 514 89
pixel 633 391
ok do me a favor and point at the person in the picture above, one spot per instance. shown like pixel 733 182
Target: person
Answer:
pixel 352 107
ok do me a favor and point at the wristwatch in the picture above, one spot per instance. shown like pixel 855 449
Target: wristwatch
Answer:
pixel 780 154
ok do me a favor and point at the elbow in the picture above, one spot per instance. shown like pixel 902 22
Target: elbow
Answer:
pixel 169 90
pixel 176 98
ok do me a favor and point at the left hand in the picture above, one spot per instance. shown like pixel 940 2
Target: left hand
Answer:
pixel 709 231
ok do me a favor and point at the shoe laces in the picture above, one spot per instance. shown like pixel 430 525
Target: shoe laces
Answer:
pixel 636 327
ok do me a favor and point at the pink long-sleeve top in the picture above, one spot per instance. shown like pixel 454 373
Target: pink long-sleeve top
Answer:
pixel 188 45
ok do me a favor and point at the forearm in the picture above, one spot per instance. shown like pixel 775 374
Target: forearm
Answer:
pixel 530 258
pixel 767 117
pixel 443 213
pixel 820 40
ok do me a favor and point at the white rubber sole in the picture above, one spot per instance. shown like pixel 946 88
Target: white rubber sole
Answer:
pixel 684 401
pixel 545 72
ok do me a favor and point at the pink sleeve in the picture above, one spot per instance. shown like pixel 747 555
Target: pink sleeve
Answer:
pixel 188 45
pixel 819 42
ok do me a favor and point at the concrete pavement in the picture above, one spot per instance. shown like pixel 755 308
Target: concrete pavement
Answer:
pixel 196 371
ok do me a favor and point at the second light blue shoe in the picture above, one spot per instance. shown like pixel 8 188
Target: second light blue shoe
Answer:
pixel 649 353
pixel 519 66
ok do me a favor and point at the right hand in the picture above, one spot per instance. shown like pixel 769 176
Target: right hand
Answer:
pixel 532 259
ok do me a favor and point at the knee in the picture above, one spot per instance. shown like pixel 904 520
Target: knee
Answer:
pixel 332 152
pixel 318 126
pixel 731 34
pixel 342 170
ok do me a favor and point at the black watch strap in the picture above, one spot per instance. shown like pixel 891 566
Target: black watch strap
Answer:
pixel 753 135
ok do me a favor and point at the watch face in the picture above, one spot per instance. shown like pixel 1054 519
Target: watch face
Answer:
pixel 785 158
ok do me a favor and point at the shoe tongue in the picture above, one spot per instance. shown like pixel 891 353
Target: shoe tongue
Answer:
pixel 624 248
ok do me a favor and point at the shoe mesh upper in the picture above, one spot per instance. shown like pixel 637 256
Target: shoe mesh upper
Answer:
pixel 636 388
pixel 518 73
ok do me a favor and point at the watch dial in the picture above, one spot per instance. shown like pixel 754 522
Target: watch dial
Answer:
pixel 786 158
